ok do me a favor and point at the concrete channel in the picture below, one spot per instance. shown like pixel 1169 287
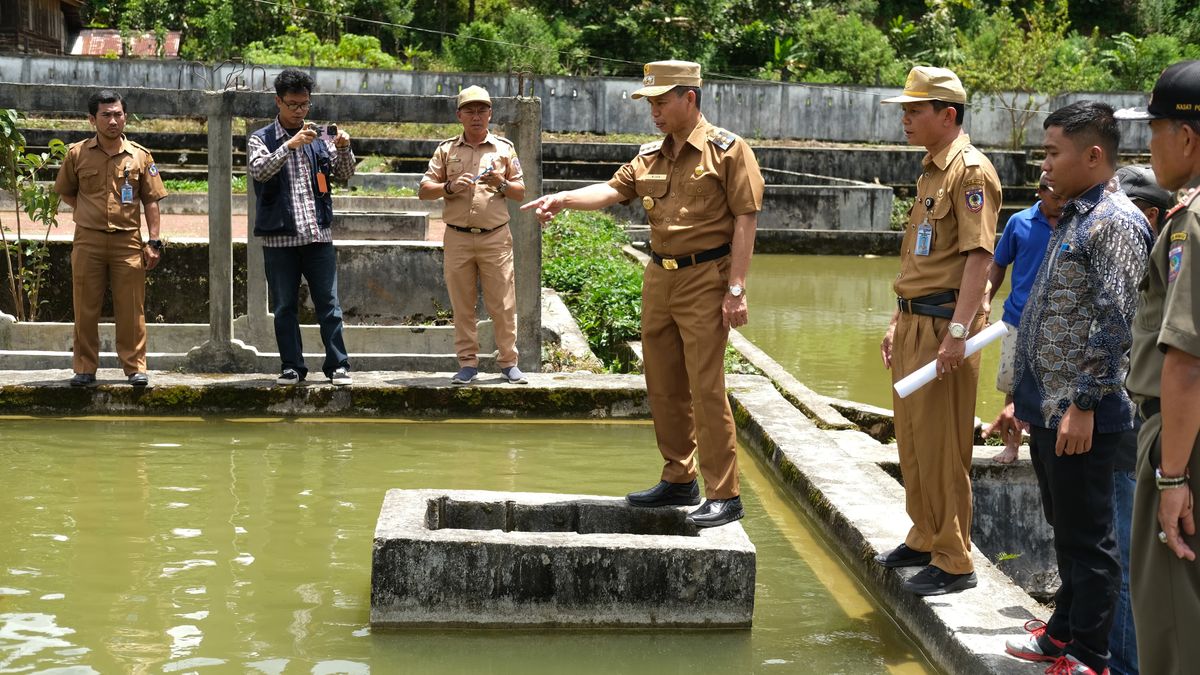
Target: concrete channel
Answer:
pixel 837 475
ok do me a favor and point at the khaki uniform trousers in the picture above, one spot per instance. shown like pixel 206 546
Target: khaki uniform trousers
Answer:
pixel 683 345
pixel 102 260
pixel 472 261
pixel 935 429
pixel 1165 589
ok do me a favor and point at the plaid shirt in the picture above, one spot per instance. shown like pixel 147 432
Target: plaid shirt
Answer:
pixel 264 164
pixel 1075 331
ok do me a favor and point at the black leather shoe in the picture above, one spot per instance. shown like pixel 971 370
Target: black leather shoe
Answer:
pixel 717 512
pixel 83 380
pixel 903 556
pixel 666 494
pixel 139 379
pixel 935 581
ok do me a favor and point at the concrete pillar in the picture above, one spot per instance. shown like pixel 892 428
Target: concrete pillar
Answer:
pixel 221 353
pixel 525 131
pixel 258 315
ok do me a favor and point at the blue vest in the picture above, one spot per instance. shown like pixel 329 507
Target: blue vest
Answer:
pixel 273 214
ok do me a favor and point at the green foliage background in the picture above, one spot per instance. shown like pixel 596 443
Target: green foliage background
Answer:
pixel 1039 46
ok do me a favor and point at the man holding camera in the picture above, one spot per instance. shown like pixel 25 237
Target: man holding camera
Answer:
pixel 292 164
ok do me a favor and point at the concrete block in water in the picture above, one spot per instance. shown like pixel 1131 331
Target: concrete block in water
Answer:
pixel 473 558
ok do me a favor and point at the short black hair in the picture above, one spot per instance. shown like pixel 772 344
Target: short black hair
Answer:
pixel 1091 121
pixel 1194 125
pixel 104 96
pixel 293 81
pixel 682 91
pixel 960 110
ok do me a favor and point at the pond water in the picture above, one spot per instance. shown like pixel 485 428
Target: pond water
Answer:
pixel 179 546
pixel 822 318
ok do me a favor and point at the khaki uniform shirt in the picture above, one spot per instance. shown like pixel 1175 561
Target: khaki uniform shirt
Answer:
pixel 480 205
pixel 1167 314
pixel 692 193
pixel 95 179
pixel 959 194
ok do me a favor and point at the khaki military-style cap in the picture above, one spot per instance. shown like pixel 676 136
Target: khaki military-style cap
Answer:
pixel 473 94
pixel 926 83
pixel 662 76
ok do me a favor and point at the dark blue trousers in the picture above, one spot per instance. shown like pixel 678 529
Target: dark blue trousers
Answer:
pixel 317 263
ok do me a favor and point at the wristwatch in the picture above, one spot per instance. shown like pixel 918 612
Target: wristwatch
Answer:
pixel 958 331
pixel 155 244
pixel 737 290
pixel 1167 482
pixel 1085 402
pixel 502 187
pixel 446 188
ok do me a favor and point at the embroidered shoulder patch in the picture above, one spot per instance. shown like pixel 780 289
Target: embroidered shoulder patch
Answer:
pixel 974 197
pixel 153 170
pixel 1174 261
pixel 648 148
pixel 1179 236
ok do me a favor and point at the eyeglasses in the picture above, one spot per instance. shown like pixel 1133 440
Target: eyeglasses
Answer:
pixel 297 107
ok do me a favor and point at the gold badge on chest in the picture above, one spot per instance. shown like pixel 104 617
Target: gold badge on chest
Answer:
pixel 648 202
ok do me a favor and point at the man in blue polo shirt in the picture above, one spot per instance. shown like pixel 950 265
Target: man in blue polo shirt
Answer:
pixel 1023 245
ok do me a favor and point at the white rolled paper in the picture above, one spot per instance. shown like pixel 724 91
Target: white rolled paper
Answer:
pixel 928 372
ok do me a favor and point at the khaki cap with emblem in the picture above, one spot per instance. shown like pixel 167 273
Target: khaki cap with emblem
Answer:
pixel 662 76
pixel 473 94
pixel 927 83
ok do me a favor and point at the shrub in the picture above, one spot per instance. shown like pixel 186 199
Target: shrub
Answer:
pixel 583 261
pixel 843 49
pixel 523 39
pixel 298 47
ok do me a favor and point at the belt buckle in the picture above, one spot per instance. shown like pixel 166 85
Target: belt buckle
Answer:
pixel 476 230
pixel 670 264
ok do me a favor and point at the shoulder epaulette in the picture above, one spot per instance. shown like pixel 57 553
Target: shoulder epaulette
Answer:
pixel 971 156
pixel 503 140
pixel 448 140
pixel 1184 202
pixel 721 138
pixel 648 148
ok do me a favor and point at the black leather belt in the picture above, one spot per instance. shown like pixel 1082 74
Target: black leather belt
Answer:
pixel 678 262
pixel 474 230
pixel 928 305
pixel 1150 407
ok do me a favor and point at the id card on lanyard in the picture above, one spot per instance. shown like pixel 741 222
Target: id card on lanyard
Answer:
pixel 925 231
pixel 126 189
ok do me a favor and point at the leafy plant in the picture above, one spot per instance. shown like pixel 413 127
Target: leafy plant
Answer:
pixel 26 260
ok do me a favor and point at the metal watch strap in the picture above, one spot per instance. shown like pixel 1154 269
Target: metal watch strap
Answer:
pixel 1167 482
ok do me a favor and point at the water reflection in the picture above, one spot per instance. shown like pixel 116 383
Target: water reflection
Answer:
pixel 247 549
pixel 822 318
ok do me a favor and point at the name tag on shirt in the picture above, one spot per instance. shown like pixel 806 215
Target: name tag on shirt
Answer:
pixel 127 193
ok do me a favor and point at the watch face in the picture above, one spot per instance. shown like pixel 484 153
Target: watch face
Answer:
pixel 958 331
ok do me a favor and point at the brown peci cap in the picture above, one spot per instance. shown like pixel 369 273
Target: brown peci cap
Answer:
pixel 927 83
pixel 473 94
pixel 662 76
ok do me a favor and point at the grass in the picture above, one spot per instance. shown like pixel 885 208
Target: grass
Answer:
pixel 176 185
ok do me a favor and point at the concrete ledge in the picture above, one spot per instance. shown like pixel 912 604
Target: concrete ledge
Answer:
pixel 472 558
pixel 860 509
pixel 373 394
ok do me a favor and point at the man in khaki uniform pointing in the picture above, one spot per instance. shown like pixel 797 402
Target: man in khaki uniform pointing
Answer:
pixel 947 247
pixel 702 191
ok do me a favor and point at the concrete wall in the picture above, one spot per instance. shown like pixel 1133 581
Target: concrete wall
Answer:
pixel 379 283
pixel 598 105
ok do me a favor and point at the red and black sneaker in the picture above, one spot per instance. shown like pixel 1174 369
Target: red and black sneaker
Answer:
pixel 1069 665
pixel 1038 645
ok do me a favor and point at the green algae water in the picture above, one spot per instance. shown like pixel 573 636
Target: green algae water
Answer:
pixel 189 546
pixel 822 318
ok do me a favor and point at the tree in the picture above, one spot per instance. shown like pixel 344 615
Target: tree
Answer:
pixel 26 259
pixel 1016 60
pixel 843 49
